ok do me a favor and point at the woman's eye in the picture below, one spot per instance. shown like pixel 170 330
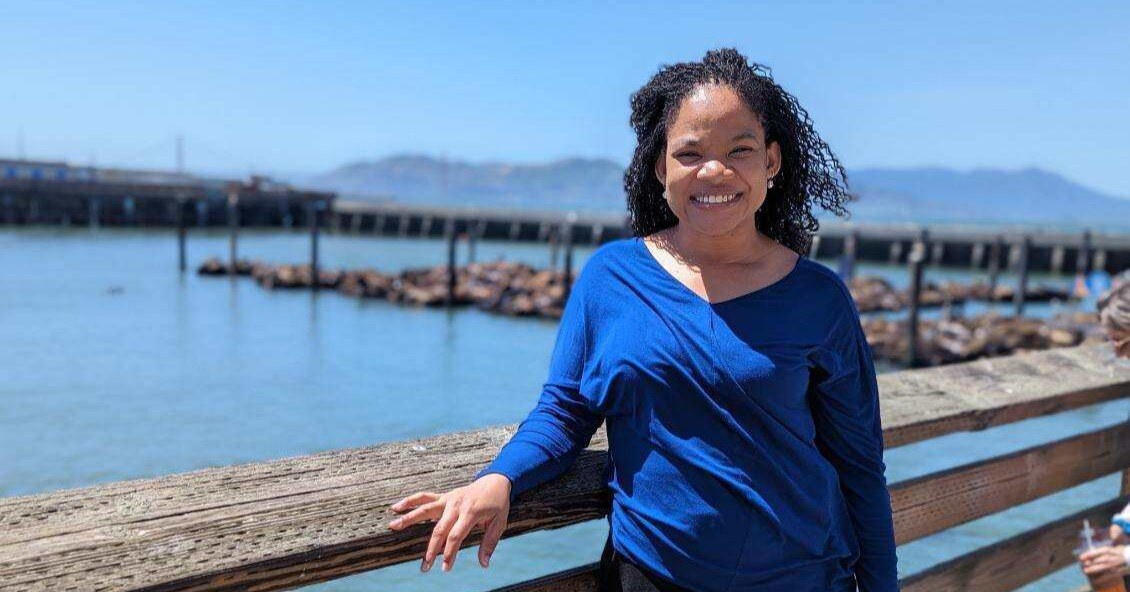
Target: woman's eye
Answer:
pixel 741 151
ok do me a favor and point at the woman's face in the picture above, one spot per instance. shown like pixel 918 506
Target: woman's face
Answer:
pixel 716 165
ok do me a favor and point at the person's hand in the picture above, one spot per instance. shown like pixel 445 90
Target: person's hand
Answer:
pixel 1117 534
pixel 485 502
pixel 1104 559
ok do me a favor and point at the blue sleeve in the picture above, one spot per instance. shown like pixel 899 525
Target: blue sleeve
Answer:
pixel 562 423
pixel 849 434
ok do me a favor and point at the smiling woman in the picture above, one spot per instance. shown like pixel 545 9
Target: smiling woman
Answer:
pixel 744 437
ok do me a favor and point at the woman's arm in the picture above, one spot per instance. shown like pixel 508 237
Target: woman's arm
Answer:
pixel 562 423
pixel 850 435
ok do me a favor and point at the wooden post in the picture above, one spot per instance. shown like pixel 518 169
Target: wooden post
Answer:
pixel 449 235
pixel 567 278
pixel 915 261
pixel 402 224
pixel 1022 283
pixel 378 224
pixel 847 260
pixel 1057 257
pixel 894 253
pixel 1083 260
pixel 515 229
pixel 814 250
pixel 977 256
pixel 94 207
pixel 995 266
pixel 937 253
pixel 32 210
pixel 597 234
pixel 233 230
pixel 554 246
pixel 1099 261
pixel 473 237
pixel 312 208
pixel 9 216
pixel 182 236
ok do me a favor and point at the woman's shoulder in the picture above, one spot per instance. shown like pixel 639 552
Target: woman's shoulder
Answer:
pixel 823 288
pixel 610 254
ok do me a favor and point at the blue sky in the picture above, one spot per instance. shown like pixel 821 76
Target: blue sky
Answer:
pixel 304 87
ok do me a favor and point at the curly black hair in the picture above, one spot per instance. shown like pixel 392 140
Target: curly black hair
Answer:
pixel 809 173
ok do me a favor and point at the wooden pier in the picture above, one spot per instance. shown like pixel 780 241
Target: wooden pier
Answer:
pixel 156 199
pixel 187 202
pixel 297 521
pixel 964 247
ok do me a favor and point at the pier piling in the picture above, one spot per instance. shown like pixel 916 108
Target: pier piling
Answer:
pixel 233 230
pixel 567 279
pixel 915 261
pixel 1022 282
pixel 847 261
pixel 995 266
pixel 1083 260
pixel 449 235
pixel 312 208
pixel 94 208
pixel 182 236
pixel 473 237
pixel 554 246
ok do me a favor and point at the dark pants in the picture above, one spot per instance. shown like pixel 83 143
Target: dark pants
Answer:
pixel 618 575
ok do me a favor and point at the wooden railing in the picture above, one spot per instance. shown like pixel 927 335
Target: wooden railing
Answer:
pixel 297 521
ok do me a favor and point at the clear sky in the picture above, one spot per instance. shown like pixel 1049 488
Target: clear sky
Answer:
pixel 305 87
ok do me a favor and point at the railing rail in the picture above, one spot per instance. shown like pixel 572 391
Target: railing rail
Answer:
pixel 292 522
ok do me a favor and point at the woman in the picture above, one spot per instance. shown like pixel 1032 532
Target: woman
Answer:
pixel 745 446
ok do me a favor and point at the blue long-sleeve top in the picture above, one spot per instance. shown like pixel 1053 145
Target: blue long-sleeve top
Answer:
pixel 744 440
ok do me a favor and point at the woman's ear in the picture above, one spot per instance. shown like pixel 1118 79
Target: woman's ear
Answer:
pixel 773 159
pixel 661 168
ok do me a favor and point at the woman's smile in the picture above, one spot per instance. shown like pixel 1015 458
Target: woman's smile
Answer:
pixel 716 200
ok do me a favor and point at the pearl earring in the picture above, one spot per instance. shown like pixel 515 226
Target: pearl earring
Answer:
pixel 770 183
pixel 666 196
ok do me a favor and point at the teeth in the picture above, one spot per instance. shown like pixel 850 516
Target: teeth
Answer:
pixel 713 199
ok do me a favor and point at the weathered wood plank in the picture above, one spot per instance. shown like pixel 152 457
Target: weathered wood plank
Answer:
pixel 1014 562
pixel 296 521
pixel 932 503
pixel 923 404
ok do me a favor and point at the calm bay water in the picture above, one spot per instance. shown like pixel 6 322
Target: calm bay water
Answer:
pixel 118 367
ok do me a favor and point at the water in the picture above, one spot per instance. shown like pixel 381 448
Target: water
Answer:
pixel 118 367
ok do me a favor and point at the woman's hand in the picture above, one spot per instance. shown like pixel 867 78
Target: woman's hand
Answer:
pixel 1104 559
pixel 485 502
pixel 1118 535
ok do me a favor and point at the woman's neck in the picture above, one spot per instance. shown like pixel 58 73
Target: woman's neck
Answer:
pixel 740 247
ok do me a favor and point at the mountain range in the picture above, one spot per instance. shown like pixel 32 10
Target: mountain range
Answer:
pixel 1030 196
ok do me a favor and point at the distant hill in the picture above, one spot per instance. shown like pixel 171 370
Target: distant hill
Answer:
pixel 570 184
pixel 939 195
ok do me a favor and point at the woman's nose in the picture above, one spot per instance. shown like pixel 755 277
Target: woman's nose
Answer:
pixel 712 169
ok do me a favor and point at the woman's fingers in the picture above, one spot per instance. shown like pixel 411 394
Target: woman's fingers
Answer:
pixel 455 539
pixel 414 500
pixel 494 529
pixel 439 535
pixel 429 511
